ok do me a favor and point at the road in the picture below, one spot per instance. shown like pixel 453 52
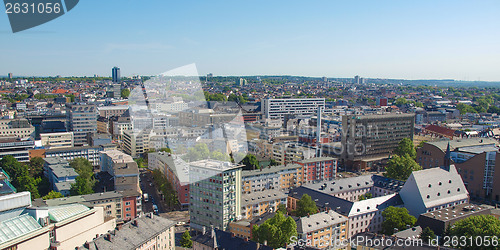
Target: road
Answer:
pixel 148 187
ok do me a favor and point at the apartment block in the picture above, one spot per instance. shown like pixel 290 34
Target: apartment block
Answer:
pixel 277 177
pixel 352 189
pixel 144 232
pixel 135 143
pixel 278 108
pixel 368 139
pixel 364 215
pixel 323 230
pixel 319 168
pixel 175 170
pixel 110 111
pixel 260 202
pixel 215 193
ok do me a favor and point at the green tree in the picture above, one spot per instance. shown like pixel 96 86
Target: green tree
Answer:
pixel 401 167
pixel 82 186
pixel 306 206
pixel 52 195
pixel 477 227
pixel 427 235
pixel 85 181
pixel 274 163
pixel 125 93
pixel 186 240
pixel 199 152
pixel 406 146
pixel 282 208
pixel 277 231
pixel 168 150
pixel 362 197
pixel 400 101
pixel 35 166
pixel 396 218
pixel 20 177
pixel 368 195
pixel 250 162
pixel 140 162
pixel 83 167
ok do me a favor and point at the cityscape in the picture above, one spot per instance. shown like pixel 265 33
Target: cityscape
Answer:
pixel 262 125
pixel 261 162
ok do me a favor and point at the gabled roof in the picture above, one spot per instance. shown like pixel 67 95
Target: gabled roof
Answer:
pixel 323 200
pixel 374 204
pixel 318 221
pixel 438 186
pixel 225 240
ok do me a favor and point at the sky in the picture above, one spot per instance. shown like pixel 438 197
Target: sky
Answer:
pixel 374 39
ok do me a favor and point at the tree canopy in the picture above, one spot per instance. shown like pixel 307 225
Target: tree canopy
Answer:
pixel 20 176
pixel 186 241
pixel 85 181
pixel 306 206
pixel 52 195
pixel 427 235
pixel 406 146
pixel 125 93
pixel 250 162
pixel 477 226
pixel 277 231
pixel 396 218
pixel 401 167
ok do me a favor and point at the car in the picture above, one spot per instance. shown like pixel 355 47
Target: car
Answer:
pixel 155 209
pixel 150 184
pixel 180 223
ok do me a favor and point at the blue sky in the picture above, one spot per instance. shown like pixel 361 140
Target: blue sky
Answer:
pixel 385 39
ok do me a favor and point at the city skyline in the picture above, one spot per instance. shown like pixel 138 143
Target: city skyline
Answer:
pixel 384 39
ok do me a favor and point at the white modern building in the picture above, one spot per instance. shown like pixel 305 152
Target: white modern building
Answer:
pixel 278 108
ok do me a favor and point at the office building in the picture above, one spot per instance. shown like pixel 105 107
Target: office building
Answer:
pixel 18 148
pixel 87 152
pixel 16 128
pixel 115 74
pixel 114 91
pixel 57 140
pixel 81 120
pixel 10 76
pixel 369 139
pixel 135 143
pixel 278 108
pixel 215 193
pixel 60 174
pixel 110 111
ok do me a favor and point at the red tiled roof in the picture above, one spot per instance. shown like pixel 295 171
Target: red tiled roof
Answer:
pixel 440 130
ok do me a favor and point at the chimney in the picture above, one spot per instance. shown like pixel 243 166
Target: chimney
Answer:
pixel 107 237
pixel 86 244
pixel 246 240
pixel 233 235
pixel 203 231
pixel 135 223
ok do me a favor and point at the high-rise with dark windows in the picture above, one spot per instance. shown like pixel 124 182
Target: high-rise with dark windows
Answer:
pixel 115 73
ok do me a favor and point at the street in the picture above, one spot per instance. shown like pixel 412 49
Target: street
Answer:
pixel 147 186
